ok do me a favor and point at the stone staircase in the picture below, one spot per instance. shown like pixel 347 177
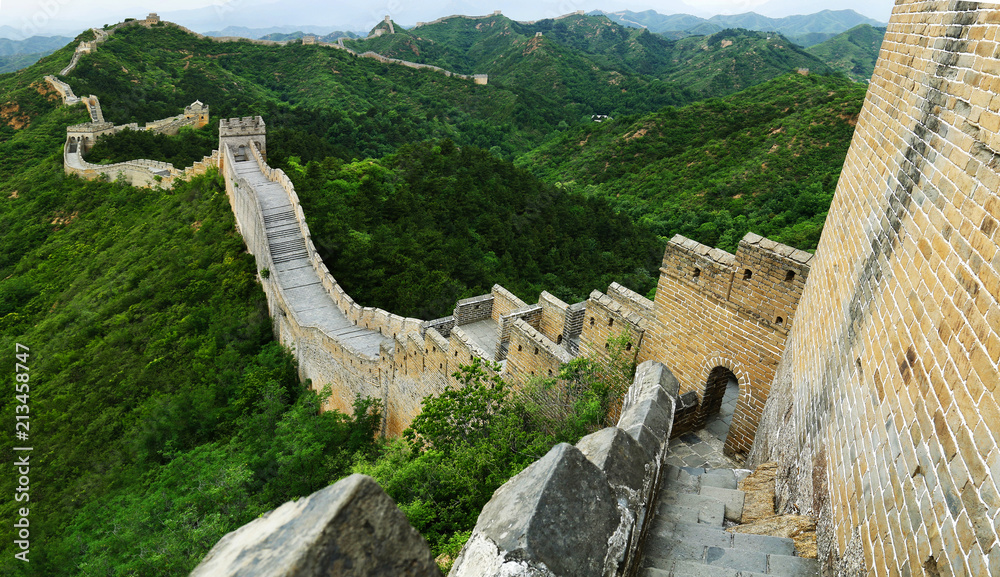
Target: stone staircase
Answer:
pixel 294 272
pixel 687 536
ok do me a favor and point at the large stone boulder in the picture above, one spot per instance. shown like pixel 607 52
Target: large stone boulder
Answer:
pixel 555 518
pixel 351 528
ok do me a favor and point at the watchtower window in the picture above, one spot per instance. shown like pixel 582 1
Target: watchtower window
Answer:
pixel 559 339
pixel 790 276
pixel 697 273
pixel 536 350
pixel 747 274
pixel 628 346
pixel 780 321
pixel 611 322
pixel 591 321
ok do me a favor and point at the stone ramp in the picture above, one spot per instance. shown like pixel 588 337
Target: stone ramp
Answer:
pixel 687 536
pixel 293 271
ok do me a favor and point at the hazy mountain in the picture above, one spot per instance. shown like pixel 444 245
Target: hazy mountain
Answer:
pixel 35 44
pixel 824 22
pixel 280 32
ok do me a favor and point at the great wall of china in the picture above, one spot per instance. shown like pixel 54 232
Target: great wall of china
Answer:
pixel 869 371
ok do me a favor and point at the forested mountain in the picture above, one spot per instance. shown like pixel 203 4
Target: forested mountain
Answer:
pixel 168 413
pixel 765 160
pixel 853 52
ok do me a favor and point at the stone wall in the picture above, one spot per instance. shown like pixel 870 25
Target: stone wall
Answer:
pixel 715 312
pixel 884 415
pixel 531 354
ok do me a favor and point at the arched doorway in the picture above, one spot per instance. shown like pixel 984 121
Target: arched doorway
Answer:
pixel 722 391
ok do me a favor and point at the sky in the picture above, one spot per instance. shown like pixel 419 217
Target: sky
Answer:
pixel 24 18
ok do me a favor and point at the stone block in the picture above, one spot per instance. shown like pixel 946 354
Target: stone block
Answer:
pixel 617 455
pixel 556 517
pixel 649 420
pixel 341 530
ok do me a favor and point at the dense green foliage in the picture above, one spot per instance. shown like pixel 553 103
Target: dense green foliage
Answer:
pixel 766 160
pixel 418 230
pixel 468 441
pixel 15 62
pixel 853 52
pixel 736 59
pixel 163 415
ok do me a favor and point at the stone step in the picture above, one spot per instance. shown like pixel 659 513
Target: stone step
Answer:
pixel 792 566
pixel 721 478
pixel 731 498
pixel 717 537
pixel 659 551
pixel 711 513
pixel 692 532
pixel 694 569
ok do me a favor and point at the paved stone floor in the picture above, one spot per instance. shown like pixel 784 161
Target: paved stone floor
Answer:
pixel 703 448
pixel 485 334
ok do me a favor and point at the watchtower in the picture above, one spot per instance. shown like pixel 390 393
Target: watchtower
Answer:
pixel 241 133
pixel 198 111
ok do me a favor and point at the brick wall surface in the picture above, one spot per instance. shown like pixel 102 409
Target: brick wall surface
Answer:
pixel 884 414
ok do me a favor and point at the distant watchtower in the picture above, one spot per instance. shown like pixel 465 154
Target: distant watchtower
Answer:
pixel 198 111
pixel 240 133
pixel 152 19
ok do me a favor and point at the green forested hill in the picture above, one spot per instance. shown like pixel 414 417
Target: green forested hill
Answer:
pixel 431 224
pixel 853 52
pixel 162 412
pixel 734 60
pixel 765 160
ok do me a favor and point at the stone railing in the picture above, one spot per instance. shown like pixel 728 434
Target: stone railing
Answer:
pixel 606 484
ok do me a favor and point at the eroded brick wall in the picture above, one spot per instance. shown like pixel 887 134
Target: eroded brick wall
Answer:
pixel 884 416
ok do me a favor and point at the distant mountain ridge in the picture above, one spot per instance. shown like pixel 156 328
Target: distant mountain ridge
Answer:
pixel 609 68
pixel 804 29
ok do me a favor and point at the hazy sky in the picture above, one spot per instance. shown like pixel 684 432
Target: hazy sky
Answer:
pixel 47 17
